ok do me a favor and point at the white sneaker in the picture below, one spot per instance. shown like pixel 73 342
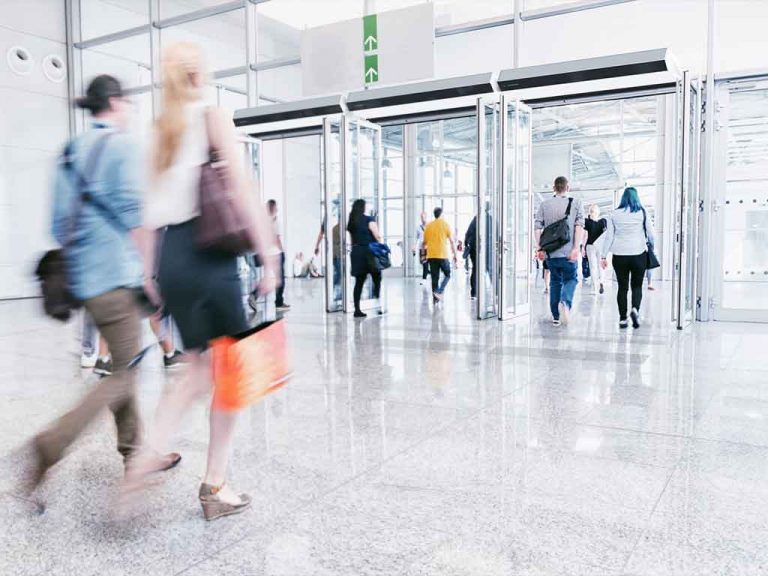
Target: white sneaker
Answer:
pixel 635 316
pixel 564 312
pixel 88 361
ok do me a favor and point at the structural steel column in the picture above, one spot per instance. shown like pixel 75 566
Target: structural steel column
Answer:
pixel 73 31
pixel 251 54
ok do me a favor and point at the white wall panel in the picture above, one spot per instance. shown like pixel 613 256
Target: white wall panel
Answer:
pixel 742 42
pixel 302 196
pixel 33 127
pixel 29 120
pixel 38 48
pixel 10 282
pixel 486 50
pixel 6 248
pixel 680 25
pixel 43 18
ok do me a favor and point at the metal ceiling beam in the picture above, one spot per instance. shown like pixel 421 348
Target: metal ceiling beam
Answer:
pixel 475 25
pixel 276 63
pixel 114 37
pixel 199 14
pixel 569 8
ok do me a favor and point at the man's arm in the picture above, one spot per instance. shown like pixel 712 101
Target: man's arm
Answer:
pixel 578 231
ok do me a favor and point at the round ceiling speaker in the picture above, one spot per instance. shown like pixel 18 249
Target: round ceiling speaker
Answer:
pixel 20 60
pixel 54 69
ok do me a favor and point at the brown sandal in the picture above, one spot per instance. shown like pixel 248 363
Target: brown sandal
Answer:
pixel 214 508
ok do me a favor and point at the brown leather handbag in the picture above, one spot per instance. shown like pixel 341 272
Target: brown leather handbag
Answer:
pixel 223 225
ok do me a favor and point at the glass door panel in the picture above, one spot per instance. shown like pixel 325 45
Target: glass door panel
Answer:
pixel 742 206
pixel 362 180
pixel 332 213
pixel 686 203
pixel 507 209
pixel 515 246
pixel 524 236
pixel 488 194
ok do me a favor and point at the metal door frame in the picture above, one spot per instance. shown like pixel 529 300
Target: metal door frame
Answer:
pixel 511 310
pixel 348 124
pixel 486 239
pixel 686 198
pixel 329 292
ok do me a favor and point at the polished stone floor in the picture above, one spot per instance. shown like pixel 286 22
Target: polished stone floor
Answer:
pixel 425 443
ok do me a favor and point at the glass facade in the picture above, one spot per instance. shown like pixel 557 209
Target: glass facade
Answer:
pixel 745 204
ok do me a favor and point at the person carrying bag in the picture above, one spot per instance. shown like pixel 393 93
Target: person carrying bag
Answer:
pixel 99 266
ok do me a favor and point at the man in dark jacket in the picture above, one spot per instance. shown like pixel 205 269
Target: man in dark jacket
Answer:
pixel 470 248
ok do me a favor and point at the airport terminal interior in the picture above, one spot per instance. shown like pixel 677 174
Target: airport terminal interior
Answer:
pixel 421 431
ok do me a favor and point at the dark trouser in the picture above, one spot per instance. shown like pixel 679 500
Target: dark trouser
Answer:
pixel 437 265
pixel 473 275
pixel 360 282
pixel 424 270
pixel 563 279
pixel 117 318
pixel 281 289
pixel 630 271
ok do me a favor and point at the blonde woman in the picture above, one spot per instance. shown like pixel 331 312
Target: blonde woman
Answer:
pixel 200 289
pixel 595 226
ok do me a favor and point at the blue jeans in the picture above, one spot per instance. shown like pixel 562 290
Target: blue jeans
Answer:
pixel 563 278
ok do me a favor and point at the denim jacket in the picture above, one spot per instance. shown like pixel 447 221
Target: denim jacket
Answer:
pixel 101 256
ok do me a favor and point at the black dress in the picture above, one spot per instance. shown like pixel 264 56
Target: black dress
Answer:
pixel 361 238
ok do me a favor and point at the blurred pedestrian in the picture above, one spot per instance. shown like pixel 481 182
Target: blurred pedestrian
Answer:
pixel 200 288
pixel 97 213
pixel 595 226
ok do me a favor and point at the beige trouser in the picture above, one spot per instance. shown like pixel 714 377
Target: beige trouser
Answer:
pixel 595 271
pixel 117 318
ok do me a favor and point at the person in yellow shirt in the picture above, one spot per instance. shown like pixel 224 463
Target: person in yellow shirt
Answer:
pixel 438 238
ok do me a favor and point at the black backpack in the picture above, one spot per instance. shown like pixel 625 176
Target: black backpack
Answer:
pixel 51 271
pixel 557 234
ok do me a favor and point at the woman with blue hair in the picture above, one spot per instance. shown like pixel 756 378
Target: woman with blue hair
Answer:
pixel 628 235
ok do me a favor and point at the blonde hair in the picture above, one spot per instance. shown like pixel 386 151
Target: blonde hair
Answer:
pixel 594 211
pixel 183 79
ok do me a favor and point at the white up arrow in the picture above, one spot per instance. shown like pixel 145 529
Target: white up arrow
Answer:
pixel 370 43
pixel 370 74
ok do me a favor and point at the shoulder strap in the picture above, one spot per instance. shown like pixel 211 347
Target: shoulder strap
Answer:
pixel 81 193
pixel 645 230
pixel 213 150
pixel 568 210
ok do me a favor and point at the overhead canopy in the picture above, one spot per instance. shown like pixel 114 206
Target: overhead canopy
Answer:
pixel 298 109
pixel 420 92
pixel 600 68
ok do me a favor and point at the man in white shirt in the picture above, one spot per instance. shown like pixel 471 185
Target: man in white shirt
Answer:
pixel 280 304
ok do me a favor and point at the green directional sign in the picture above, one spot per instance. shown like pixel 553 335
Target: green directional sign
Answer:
pixel 371 68
pixel 370 33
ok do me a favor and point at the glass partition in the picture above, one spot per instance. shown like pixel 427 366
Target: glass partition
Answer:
pixel 362 180
pixel 333 217
pixel 488 195
pixel 686 203
pixel 741 292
